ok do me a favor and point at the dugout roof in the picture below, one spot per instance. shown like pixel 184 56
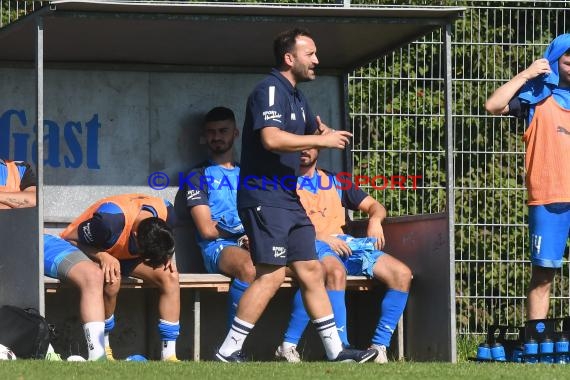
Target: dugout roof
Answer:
pixel 213 35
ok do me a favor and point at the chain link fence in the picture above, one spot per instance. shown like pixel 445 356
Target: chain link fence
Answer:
pixel 397 117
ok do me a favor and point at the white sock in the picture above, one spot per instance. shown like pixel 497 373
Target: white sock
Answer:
pixel 94 335
pixel 326 328
pixel 287 345
pixel 168 349
pixel 236 336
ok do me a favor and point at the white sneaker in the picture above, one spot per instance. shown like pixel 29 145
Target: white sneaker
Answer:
pixel 381 358
pixel 291 355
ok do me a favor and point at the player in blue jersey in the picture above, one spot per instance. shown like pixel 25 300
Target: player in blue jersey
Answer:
pixel 17 185
pixel 122 235
pixel 325 198
pixel 278 125
pixel 211 200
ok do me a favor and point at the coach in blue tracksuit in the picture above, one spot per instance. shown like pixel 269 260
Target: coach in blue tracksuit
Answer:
pixel 278 125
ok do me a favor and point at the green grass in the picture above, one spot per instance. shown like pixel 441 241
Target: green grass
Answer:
pixel 28 369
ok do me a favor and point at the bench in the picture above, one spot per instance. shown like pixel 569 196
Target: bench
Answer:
pixel 199 282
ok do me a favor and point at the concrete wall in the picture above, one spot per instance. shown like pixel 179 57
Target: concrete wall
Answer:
pixel 107 131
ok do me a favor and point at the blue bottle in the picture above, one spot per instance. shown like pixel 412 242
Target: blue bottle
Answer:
pixel 518 352
pixel 531 351
pixel 562 347
pixel 483 352
pixel 547 351
pixel 498 352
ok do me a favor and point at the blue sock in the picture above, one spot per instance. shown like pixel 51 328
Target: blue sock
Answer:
pixel 339 309
pixel 298 321
pixel 168 330
pixel 392 308
pixel 237 288
pixel 109 324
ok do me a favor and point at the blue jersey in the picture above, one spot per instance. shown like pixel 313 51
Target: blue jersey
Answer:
pixel 269 178
pixel 216 186
pixel 107 223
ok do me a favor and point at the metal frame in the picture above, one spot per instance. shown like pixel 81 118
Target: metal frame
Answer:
pixel 444 23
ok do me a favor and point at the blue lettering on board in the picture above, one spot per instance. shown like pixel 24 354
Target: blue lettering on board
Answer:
pixel 80 140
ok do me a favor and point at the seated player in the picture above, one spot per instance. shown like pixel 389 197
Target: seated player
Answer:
pixel 17 185
pixel 131 235
pixel 66 262
pixel 324 201
pixel 211 201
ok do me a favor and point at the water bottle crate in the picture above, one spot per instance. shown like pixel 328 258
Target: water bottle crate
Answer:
pixel 541 340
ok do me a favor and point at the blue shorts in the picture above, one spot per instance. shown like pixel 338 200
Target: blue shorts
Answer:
pixel 211 253
pixel 59 256
pixel 278 236
pixel 363 258
pixel 549 228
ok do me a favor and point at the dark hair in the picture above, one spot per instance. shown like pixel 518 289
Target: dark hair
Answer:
pixel 218 114
pixel 285 43
pixel 155 241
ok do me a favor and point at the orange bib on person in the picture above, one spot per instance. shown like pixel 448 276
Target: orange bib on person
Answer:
pixel 324 207
pixel 547 159
pixel 12 178
pixel 130 205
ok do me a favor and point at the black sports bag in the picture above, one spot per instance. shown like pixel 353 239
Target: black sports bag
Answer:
pixel 24 331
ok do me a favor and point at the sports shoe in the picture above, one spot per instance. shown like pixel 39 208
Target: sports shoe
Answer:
pixel 290 354
pixel 358 356
pixel 53 356
pixel 171 358
pixel 109 353
pixel 236 357
pixel 381 349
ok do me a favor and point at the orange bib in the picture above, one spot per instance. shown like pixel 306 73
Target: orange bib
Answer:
pixel 324 207
pixel 130 205
pixel 12 178
pixel 547 159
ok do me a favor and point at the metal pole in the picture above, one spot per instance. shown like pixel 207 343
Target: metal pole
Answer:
pixel 197 337
pixel 40 154
pixel 450 192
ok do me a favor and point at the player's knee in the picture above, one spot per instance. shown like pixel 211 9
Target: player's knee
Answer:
pixel 168 280
pixel 335 277
pixel 92 279
pixel 111 290
pixel 246 272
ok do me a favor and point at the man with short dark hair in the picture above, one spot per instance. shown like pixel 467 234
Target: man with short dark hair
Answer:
pixel 124 235
pixel 278 125
pixel 211 201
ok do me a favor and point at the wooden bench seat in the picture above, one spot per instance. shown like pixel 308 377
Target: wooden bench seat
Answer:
pixel 206 281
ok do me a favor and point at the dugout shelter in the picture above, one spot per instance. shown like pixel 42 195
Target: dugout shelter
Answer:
pixel 121 86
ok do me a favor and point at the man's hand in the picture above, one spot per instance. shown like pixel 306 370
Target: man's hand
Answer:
pixel 338 245
pixel 375 230
pixel 336 139
pixel 538 67
pixel 243 242
pixel 110 266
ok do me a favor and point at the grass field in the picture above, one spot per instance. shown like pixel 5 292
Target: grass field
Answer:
pixel 31 370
